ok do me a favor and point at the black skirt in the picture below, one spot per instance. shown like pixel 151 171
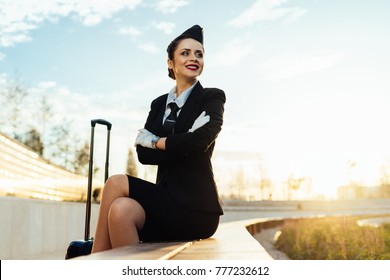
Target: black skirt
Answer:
pixel 166 220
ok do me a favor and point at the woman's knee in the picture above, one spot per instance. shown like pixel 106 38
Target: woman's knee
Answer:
pixel 117 184
pixel 126 210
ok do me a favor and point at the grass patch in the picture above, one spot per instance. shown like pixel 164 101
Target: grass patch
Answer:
pixel 334 238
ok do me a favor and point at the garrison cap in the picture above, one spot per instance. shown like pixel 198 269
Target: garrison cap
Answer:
pixel 195 32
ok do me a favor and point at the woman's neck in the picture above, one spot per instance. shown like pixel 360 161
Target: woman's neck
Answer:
pixel 182 85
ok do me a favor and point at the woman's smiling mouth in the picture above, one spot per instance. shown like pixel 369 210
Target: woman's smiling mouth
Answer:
pixel 192 67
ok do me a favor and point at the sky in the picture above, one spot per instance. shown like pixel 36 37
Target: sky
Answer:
pixel 307 81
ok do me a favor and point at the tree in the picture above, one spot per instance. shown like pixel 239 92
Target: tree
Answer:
pixel 54 142
pixel 237 185
pixel 384 187
pixel 82 160
pixel 63 146
pixel 265 181
pixel 12 103
pixel 44 114
pixel 294 184
pixel 131 167
pixel 34 141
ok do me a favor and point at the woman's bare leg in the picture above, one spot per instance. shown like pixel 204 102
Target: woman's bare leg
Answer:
pixel 116 187
pixel 126 217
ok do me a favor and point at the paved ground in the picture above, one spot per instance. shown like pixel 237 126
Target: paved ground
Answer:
pixel 375 222
pixel 266 237
pixel 47 256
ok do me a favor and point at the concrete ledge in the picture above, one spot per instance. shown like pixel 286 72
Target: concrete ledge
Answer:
pixel 145 251
pixel 232 241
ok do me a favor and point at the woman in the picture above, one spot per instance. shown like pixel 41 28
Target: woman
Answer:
pixel 179 139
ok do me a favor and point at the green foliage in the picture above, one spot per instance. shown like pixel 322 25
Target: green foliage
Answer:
pixel 334 238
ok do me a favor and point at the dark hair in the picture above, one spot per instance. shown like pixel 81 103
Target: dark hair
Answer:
pixel 171 50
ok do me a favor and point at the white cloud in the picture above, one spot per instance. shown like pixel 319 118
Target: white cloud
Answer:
pixel 294 14
pixel 19 17
pixel 292 64
pixel 166 27
pixel 3 79
pixel 91 20
pixel 47 84
pixel 94 11
pixel 149 48
pixel 129 30
pixel 170 6
pixel 232 53
pixel 9 40
pixel 267 10
pixel 18 27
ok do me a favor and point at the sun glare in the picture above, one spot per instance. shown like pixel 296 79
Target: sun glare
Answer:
pixel 331 141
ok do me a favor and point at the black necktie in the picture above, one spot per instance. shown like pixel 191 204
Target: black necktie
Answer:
pixel 169 122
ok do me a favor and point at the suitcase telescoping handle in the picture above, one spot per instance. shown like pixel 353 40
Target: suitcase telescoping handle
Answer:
pixel 109 125
pixel 102 122
pixel 90 170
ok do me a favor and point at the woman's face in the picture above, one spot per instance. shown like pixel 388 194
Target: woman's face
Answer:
pixel 187 60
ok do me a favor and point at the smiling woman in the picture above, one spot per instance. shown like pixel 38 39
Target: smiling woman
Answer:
pixel 179 138
pixel 185 53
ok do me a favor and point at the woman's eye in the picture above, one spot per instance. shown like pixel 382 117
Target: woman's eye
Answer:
pixel 199 55
pixel 185 53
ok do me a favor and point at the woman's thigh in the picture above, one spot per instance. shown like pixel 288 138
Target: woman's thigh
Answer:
pixel 165 218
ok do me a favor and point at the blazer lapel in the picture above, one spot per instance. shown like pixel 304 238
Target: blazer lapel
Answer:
pixel 158 115
pixel 188 108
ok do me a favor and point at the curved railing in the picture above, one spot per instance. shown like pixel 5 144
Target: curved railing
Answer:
pixel 23 173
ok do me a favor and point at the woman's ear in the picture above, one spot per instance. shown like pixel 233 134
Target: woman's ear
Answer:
pixel 171 74
pixel 170 64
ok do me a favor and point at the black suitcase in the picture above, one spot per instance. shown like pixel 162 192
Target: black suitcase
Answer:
pixel 84 247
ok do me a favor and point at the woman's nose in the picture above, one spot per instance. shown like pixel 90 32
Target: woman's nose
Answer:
pixel 193 57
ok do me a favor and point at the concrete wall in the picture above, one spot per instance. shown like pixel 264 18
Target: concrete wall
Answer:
pixel 36 229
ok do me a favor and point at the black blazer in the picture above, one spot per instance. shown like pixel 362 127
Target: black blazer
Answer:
pixel 185 166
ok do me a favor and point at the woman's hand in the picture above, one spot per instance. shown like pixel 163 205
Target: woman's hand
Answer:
pixel 200 121
pixel 145 138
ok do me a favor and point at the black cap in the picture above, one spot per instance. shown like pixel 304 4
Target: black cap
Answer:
pixel 195 32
